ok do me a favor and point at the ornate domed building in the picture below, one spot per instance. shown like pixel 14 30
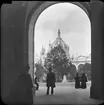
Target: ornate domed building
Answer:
pixel 54 58
pixel 59 41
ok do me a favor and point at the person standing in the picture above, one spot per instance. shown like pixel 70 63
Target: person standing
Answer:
pixel 77 81
pixel 36 82
pixel 50 81
pixel 83 81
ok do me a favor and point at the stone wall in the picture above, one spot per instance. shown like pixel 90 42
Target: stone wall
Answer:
pixel 97 33
pixel 12 47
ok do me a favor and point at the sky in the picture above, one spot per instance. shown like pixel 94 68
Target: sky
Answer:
pixel 74 26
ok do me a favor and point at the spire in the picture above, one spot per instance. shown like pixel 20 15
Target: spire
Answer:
pixel 42 50
pixel 59 33
pixel 49 43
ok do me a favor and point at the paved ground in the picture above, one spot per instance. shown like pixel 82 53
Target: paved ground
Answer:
pixel 65 93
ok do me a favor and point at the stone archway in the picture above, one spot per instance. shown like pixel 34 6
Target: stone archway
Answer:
pixel 30 25
pixel 16 33
pixel 31 20
pixel 40 6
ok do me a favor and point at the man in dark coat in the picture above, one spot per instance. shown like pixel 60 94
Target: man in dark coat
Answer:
pixel 77 81
pixel 83 81
pixel 50 81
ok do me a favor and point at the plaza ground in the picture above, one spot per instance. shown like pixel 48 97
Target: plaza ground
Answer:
pixel 65 93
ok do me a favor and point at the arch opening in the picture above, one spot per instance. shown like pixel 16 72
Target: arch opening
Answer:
pixel 32 34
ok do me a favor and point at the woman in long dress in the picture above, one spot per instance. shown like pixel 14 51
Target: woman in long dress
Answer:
pixel 77 81
pixel 83 81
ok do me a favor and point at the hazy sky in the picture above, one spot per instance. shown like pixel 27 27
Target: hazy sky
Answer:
pixel 73 23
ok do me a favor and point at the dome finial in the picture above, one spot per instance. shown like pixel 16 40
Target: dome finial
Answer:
pixel 59 33
pixel 49 43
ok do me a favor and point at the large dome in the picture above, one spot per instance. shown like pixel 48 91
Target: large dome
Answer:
pixel 59 41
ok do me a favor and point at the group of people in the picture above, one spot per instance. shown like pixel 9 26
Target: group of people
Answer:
pixel 80 82
pixel 22 90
